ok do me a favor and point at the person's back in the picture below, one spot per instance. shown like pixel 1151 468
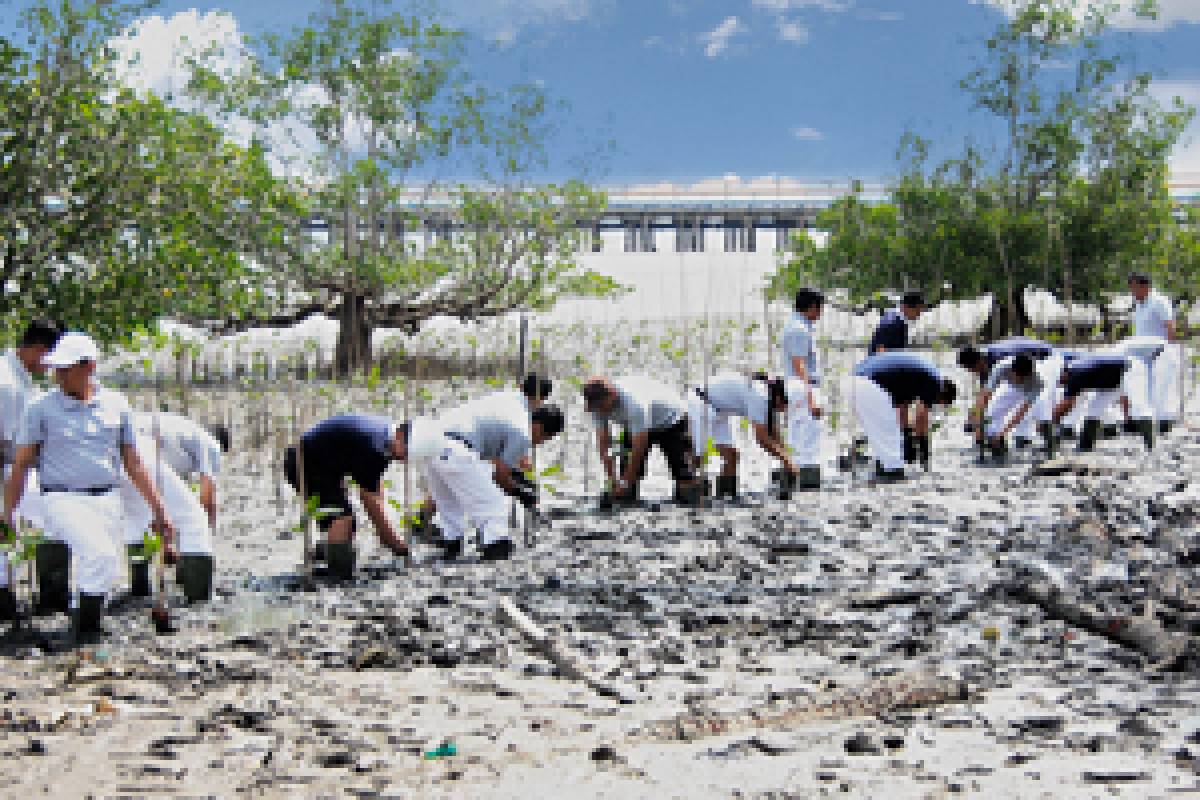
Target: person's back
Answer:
pixel 737 394
pixel 496 426
pixel 354 445
pixel 647 404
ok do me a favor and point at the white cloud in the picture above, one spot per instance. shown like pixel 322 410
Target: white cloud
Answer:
pixel 1170 13
pixel 502 20
pixel 807 134
pixel 1186 157
pixel 780 6
pixel 717 40
pixel 791 31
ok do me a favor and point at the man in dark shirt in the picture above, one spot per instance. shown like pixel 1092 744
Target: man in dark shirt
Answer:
pixel 355 446
pixel 1107 378
pixel 883 387
pixel 892 331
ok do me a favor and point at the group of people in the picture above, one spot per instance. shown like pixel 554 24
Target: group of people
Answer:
pixel 92 478
pixel 104 475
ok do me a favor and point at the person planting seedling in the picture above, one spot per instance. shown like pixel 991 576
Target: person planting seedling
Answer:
pixel 180 449
pixel 891 335
pixel 498 430
pixel 359 447
pixel 1107 378
pixel 730 395
pixel 80 437
pixel 1018 391
pixel 652 415
pixel 884 386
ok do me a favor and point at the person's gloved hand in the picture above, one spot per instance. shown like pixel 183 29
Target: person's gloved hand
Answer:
pixel 526 495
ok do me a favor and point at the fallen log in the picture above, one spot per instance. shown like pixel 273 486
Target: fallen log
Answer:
pixel 905 691
pixel 1163 649
pixel 559 654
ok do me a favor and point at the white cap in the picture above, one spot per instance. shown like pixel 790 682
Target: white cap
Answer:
pixel 71 349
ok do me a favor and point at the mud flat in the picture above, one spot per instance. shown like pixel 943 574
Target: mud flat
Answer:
pixel 984 631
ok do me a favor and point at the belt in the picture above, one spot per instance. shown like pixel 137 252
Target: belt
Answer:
pixel 92 490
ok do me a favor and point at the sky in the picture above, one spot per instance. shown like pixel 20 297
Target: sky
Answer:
pixel 688 90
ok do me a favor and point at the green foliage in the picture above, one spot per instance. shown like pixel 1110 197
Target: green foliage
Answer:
pixel 396 103
pixel 1077 197
pixel 20 547
pixel 102 187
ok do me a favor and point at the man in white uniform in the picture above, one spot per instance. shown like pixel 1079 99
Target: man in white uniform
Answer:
pixel 187 451
pixel 728 396
pixel 651 414
pixel 884 386
pixel 1107 378
pixel 498 431
pixel 80 437
pixel 803 373
pixel 1154 317
pixel 17 391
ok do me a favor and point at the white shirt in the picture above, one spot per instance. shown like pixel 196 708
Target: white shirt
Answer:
pixel 17 391
pixel 738 395
pixel 187 448
pixel 643 404
pixel 1150 317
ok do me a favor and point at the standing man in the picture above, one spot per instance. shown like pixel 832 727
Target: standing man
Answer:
pixel 1153 316
pixel 356 446
pixel 498 431
pixel 712 409
pixel 892 331
pixel 176 449
pixel 79 437
pixel 884 386
pixel 890 335
pixel 1108 378
pixel 652 414
pixel 17 391
pixel 803 373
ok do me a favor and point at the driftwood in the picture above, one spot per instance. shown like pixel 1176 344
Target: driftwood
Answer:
pixel 1146 635
pixel 558 653
pixel 905 691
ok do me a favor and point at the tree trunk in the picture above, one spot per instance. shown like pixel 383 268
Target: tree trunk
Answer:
pixel 354 335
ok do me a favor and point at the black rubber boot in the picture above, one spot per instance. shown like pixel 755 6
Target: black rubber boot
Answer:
pixel 318 551
pixel 727 487
pixel 1049 440
pixel 139 571
pixel 1088 436
pixel 692 495
pixel 1165 425
pixel 888 475
pixel 922 450
pixel 808 478
pixel 54 577
pixel 451 548
pixel 499 550
pixel 910 446
pixel 86 627
pixel 998 449
pixel 340 558
pixel 1111 431
pixel 1021 442
pixel 1146 429
pixel 1067 432
pixel 195 575
pixel 8 605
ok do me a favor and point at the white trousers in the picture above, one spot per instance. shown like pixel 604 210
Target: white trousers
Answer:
pixel 31 510
pixel 91 527
pixel 804 430
pixel 463 487
pixel 875 412
pixel 705 423
pixel 183 506
pixel 1005 402
pixel 1164 383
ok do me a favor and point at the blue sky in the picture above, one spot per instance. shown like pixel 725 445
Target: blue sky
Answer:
pixel 809 89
